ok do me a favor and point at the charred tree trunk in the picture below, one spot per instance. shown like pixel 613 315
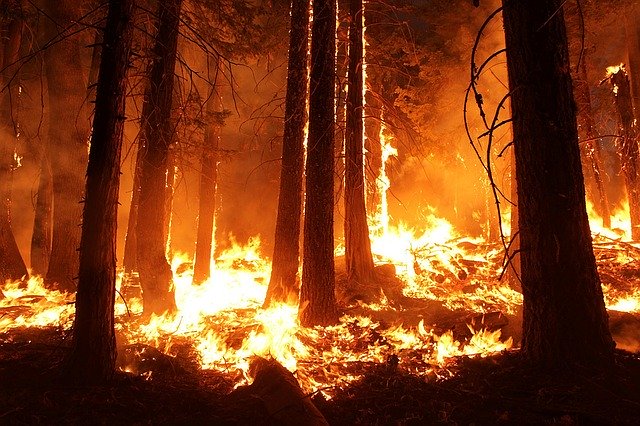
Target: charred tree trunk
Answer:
pixel 564 318
pixel 628 146
pixel 283 284
pixel 317 293
pixel 12 266
pixel 589 141
pixel 93 354
pixel 157 130
pixel 357 243
pixel 632 25
pixel 208 182
pixel 373 148
pixel 68 137
pixel 41 237
pixel 129 261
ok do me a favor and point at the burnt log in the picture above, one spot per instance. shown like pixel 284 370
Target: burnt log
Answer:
pixel 280 394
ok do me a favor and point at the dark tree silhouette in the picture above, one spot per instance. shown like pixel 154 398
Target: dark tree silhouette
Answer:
pixel 208 182
pixel 284 268
pixel 358 256
pixel 41 236
pixel 93 354
pixel 157 131
pixel 12 266
pixel 565 321
pixel 317 293
pixel 69 111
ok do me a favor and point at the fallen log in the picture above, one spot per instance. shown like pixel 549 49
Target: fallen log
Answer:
pixel 625 329
pixel 281 395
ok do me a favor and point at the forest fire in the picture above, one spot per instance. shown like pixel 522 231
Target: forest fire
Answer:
pixel 400 212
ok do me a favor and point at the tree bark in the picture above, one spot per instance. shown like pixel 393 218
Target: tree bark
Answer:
pixel 564 318
pixel 317 293
pixel 68 138
pixel 628 146
pixel 93 354
pixel 283 286
pixel 358 255
pixel 157 131
pixel 632 26
pixel 129 261
pixel 41 237
pixel 12 266
pixel 373 148
pixel 208 182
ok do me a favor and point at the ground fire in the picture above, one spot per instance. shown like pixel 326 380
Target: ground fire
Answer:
pixel 401 213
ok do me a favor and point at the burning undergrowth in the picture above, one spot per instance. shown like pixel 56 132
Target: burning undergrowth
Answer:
pixel 438 300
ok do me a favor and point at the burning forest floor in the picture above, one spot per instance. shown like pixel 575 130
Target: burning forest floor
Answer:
pixel 431 342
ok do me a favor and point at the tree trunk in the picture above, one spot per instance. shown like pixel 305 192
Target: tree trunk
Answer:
pixel 93 354
pixel 373 148
pixel 12 266
pixel 632 26
pixel 283 286
pixel 564 320
pixel 41 237
pixel 208 182
pixel 357 243
pixel 68 138
pixel 157 132
pixel 317 293
pixel 589 141
pixel 628 146
pixel 129 261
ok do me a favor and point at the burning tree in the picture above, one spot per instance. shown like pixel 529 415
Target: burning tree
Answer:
pixel 358 255
pixel 284 268
pixel 157 131
pixel 317 297
pixel 93 355
pixel 565 320
pixel 628 144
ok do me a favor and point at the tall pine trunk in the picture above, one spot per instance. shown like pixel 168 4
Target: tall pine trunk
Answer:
pixel 129 261
pixel 93 354
pixel 632 26
pixel 317 293
pixel 628 146
pixel 358 256
pixel 157 132
pixel 565 321
pixel 41 237
pixel 12 266
pixel 208 182
pixel 286 251
pixel 373 148
pixel 69 111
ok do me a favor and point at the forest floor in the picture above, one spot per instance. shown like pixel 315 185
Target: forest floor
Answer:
pixel 493 390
